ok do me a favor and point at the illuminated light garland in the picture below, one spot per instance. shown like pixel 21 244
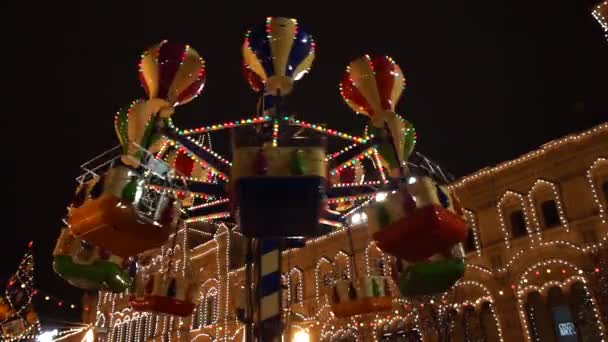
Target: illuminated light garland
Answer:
pixel 544 264
pixel 556 197
pixel 601 207
pixel 542 244
pixel 210 217
pixel 352 162
pixel 349 199
pixel 530 155
pixel 368 266
pixel 275 133
pixel 501 215
pixel 357 208
pixel 349 185
pixel 480 268
pixel 344 256
pixel 331 223
pixel 322 260
pixel 210 151
pixel 225 125
pixel 201 162
pixel 598 13
pixel 163 148
pixel 470 218
pixel 331 132
pixel 379 165
pixel 342 151
pixel 299 285
pixel 180 193
pixel 227 282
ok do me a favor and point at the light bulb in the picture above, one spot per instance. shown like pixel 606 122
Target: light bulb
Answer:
pixel 356 219
pixel 381 197
pixel 411 180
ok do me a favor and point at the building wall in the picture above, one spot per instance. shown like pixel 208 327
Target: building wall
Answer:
pixel 504 276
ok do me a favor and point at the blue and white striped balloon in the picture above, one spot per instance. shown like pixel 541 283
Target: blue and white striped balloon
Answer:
pixel 279 53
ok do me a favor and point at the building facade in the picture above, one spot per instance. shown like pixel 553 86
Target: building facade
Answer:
pixel 536 266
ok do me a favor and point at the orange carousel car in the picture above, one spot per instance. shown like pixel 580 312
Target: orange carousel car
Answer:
pixel 106 213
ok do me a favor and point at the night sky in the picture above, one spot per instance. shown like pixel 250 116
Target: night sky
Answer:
pixel 486 81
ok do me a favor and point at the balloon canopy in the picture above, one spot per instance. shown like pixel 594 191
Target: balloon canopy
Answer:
pixel 172 72
pixel 372 86
pixel 279 53
pixel 135 127
pixel 404 138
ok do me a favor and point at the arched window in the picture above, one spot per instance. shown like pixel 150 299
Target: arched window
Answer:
pixel 517 222
pixel 489 324
pixel 296 290
pixel 605 190
pixel 473 242
pixel 550 213
pixel 152 326
pixel 324 278
pixel 342 266
pixel 584 313
pixel 133 330
pixel 472 326
pixel 198 315
pixel 211 307
pixel 538 318
pixel 116 331
pixel 141 327
pixel 376 262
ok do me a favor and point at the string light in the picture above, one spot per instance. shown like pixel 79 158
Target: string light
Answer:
pixel 601 207
pixel 600 13
pixel 470 218
pixel 501 213
pixel 201 162
pixel 210 217
pixel 225 125
pixel 379 166
pixel 534 154
pixel 210 151
pixel 342 151
pixel 349 198
pixel 556 197
pixel 327 131
pixel 179 193
pixel 353 161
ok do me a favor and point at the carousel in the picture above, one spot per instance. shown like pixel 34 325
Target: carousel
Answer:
pixel 287 181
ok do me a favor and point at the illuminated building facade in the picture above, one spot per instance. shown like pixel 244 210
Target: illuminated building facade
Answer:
pixel 535 271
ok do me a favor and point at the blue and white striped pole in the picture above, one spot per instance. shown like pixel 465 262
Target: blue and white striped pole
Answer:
pixel 269 293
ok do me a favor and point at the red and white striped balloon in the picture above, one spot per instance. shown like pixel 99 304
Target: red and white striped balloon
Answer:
pixel 372 86
pixel 172 72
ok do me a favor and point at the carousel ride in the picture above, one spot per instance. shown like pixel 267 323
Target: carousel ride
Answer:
pixel 281 183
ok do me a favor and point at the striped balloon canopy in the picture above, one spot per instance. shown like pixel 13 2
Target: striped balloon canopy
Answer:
pixel 372 85
pixel 403 136
pixel 172 72
pixel 279 53
pixel 135 127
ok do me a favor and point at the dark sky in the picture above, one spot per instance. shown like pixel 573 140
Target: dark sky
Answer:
pixel 487 81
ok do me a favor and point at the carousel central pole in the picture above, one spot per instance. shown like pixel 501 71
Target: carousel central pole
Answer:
pixel 270 327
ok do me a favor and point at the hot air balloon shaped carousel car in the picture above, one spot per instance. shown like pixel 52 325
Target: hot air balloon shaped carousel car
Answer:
pixel 279 189
pixel 366 295
pixel 417 222
pixel 436 275
pixel 165 293
pixel 114 216
pixel 88 267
